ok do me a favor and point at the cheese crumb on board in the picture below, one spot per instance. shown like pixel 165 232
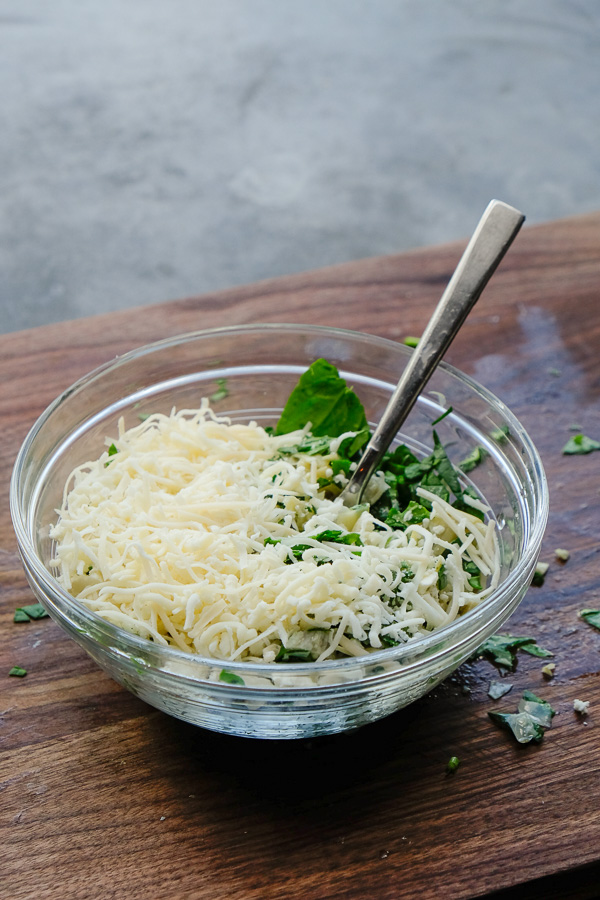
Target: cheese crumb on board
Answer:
pixel 216 538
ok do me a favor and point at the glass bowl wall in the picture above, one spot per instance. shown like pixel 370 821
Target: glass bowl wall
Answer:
pixel 260 365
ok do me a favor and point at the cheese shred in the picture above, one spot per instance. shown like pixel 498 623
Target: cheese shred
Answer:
pixel 219 538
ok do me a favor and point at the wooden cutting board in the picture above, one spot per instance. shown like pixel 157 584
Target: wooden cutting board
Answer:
pixel 103 797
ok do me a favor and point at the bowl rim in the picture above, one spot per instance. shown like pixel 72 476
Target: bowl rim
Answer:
pixel 424 643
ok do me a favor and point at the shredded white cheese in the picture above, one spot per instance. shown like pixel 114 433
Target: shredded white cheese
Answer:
pixel 207 535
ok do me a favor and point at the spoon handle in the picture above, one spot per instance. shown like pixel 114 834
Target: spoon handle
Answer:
pixel 493 236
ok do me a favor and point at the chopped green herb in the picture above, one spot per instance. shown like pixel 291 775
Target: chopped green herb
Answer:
pixel 443 416
pixel 143 416
pixel 555 372
pixel 411 341
pixel 27 613
pixel 221 391
pixel 230 677
pixel 535 650
pixel 452 764
pixel 21 616
pixel 338 537
pixel 291 655
pixel 112 450
pixel 500 434
pixel 534 716
pixel 474 458
pixel 35 611
pixel 591 616
pixel 18 672
pixel 501 649
pixel 540 573
pixel 414 514
pixel 580 444
pixel 498 689
pixel 323 398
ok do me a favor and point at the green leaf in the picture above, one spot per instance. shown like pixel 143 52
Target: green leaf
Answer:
pixel 35 611
pixel 443 416
pixel 322 398
pixel 21 616
pixel 221 391
pixel 535 650
pixel 523 726
pixel 414 514
pixel 230 677
pixel 291 655
pixel 411 341
pixel 580 444
pixel 309 445
pixel 538 709
pixel 475 457
pixel 112 450
pixel 501 649
pixel 498 689
pixel 339 537
pixel 452 764
pixel 18 672
pixel 500 435
pixel 591 616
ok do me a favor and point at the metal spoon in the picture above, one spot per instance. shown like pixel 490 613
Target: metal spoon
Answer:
pixel 491 239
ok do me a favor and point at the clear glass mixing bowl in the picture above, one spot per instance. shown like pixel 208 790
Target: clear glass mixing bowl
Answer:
pixel 261 365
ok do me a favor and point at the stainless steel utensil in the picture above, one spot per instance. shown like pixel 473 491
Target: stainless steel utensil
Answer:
pixel 491 239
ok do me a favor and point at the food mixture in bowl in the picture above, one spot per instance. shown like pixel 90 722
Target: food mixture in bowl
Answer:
pixel 228 540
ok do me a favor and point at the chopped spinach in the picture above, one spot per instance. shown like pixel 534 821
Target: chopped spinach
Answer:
pixel 230 677
pixel 323 398
pixel 591 616
pixel 112 450
pixel 529 723
pixel 580 444
pixel 18 672
pixel 339 537
pixel 443 416
pixel 501 649
pixel 498 689
pixel 475 457
pixel 221 391
pixel 27 613
pixel 291 655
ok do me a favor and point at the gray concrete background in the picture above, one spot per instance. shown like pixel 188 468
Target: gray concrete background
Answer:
pixel 151 150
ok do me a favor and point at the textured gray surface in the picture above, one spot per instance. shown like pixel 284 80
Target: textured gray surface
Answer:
pixel 153 150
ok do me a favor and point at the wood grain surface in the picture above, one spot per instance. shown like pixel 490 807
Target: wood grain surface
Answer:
pixel 103 797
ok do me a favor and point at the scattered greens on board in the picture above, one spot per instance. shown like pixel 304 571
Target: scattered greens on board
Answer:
pixel 591 616
pixel 531 720
pixel 501 649
pixel 498 689
pixel 580 444
pixel 27 613
pixel 18 672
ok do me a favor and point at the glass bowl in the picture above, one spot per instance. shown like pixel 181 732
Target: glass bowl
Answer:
pixel 261 365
